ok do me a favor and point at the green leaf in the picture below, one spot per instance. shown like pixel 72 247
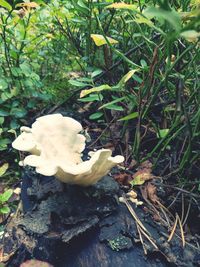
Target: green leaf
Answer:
pixel 6 95
pixel 3 84
pixel 190 35
pixel 5 4
pixel 1 120
pixel 84 79
pixel 3 143
pixel 143 63
pixel 26 70
pixel 96 73
pixel 122 5
pixel 126 77
pixel 4 113
pixel 142 20
pixel 129 117
pixel 171 16
pixel 96 115
pixel 95 89
pixel 77 83
pixel 16 71
pixel 18 112
pixel 113 102
pixel 82 4
pixel 162 133
pixel 91 98
pixel 3 169
pixel 4 210
pixel 100 40
pixel 6 195
pixel 14 124
pixel 115 107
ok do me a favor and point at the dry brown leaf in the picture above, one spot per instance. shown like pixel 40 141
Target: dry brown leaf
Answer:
pixel 149 192
pixel 152 192
pixel 146 165
pixel 122 178
pixel 132 164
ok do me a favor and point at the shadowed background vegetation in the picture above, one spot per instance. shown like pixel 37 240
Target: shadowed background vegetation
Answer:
pixel 132 65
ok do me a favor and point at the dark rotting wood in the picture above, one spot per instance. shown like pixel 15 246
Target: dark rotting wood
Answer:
pixel 72 226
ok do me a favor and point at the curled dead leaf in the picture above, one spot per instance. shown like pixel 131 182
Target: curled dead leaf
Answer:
pixel 149 192
pixel 152 192
pixel 146 165
pixel 123 178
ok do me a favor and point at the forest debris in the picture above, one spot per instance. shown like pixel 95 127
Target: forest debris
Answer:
pixel 150 192
pixel 132 164
pixel 139 224
pixel 141 176
pixel 143 173
pixel 4 256
pixel 123 178
pixel 133 198
pixel 177 221
pixel 146 165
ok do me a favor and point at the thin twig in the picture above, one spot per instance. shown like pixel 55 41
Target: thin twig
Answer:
pixel 173 229
pixel 141 239
pixel 99 137
pixel 182 232
pixel 187 213
pixel 182 207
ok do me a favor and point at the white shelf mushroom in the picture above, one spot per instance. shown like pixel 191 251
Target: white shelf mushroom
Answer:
pixel 55 146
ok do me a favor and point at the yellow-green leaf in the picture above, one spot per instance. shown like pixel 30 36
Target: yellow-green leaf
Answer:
pixel 126 77
pixel 29 4
pixel 100 40
pixel 122 5
pixel 141 19
pixel 141 176
pixel 5 4
pixel 3 169
pixel 191 35
pixel 129 117
pixel 94 89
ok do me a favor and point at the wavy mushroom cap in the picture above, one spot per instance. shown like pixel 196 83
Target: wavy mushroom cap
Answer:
pixel 56 144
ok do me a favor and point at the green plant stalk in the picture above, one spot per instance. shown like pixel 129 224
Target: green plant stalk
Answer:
pixel 175 124
pixel 168 71
pixel 24 38
pixel 89 28
pixel 6 48
pixel 171 137
pixel 137 139
pixel 130 62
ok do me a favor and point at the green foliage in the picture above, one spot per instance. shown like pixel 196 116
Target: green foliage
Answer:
pixel 4 208
pixel 139 61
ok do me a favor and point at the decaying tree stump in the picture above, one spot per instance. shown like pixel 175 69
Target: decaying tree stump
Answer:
pixel 72 226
